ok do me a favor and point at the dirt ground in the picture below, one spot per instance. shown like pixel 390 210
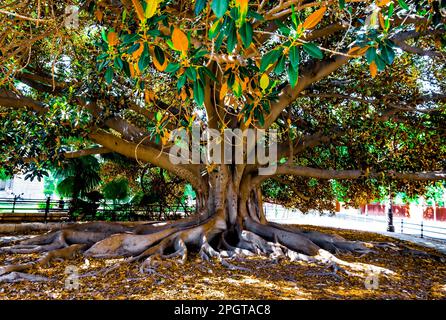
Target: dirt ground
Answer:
pixel 416 278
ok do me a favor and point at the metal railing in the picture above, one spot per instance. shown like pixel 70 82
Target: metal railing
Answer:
pixel 421 228
pixel 21 210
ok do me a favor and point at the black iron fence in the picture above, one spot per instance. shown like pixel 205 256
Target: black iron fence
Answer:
pixel 18 209
pixel 33 210
pixel 420 228
pixel 403 225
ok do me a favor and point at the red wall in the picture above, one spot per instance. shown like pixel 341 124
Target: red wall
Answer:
pixel 403 211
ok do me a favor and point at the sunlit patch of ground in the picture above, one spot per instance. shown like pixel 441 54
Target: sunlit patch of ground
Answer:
pixel 417 278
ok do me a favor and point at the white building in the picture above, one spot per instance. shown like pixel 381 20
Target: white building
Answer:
pixel 19 186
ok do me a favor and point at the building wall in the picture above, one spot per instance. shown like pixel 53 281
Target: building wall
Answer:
pixel 18 185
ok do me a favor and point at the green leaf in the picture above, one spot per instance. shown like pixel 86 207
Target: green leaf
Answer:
pixel 109 75
pixel 255 15
pixel 391 8
pixel 172 67
pixel 199 54
pixel 261 118
pixel 191 73
pixel 181 82
pixel 126 69
pixel 104 35
pixel 294 57
pixel 246 34
pixel 199 92
pixel 294 17
pixel 118 63
pixel 159 54
pixel 370 54
pixel 158 116
pixel 144 59
pixel 133 48
pixel 280 66
pixel 403 4
pixel 380 63
pixel 313 50
pixel 293 75
pixel 199 6
pixel 219 41
pixel 215 29
pixel 341 4
pixel 209 73
pixel 269 58
pixel 219 7
pixel 387 54
pixel 130 38
pixel 232 40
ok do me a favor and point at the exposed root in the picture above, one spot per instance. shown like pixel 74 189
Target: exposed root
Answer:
pixel 170 243
pixel 328 258
pixel 207 253
pixel 20 276
pixel 64 253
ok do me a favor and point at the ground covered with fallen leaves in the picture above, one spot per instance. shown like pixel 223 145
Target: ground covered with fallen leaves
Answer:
pixel 416 278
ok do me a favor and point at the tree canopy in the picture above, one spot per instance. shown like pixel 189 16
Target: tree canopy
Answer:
pixel 355 88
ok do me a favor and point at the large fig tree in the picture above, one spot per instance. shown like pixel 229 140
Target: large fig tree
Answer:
pixel 354 90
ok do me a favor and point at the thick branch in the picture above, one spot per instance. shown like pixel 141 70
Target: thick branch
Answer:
pixel 86 152
pixel 351 174
pixel 13 100
pixel 148 154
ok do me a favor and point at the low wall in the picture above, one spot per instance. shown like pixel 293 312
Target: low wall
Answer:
pixel 404 211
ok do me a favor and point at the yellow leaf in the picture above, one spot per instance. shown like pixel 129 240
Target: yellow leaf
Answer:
pixel 179 40
pixel 112 38
pixel 248 121
pixel 223 90
pixel 314 18
pixel 264 81
pixel 99 15
pixel 139 9
pixel 382 3
pixel 373 69
pixel 243 4
pixel 381 21
pixel 156 62
pixel 138 52
pixel 137 71
pixel 160 67
pixel 165 137
pixel 237 87
pixel 151 7
pixel 183 95
pixel 132 70
pixel 149 96
pixel 357 51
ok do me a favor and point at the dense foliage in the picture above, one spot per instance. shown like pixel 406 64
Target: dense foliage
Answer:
pixel 350 85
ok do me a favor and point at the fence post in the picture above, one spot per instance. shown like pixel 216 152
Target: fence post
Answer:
pixel 47 208
pixel 390 227
pixel 421 228
pixel 13 203
pixel 402 221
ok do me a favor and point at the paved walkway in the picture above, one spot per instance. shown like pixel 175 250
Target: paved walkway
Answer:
pixel 438 244
pixel 346 221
